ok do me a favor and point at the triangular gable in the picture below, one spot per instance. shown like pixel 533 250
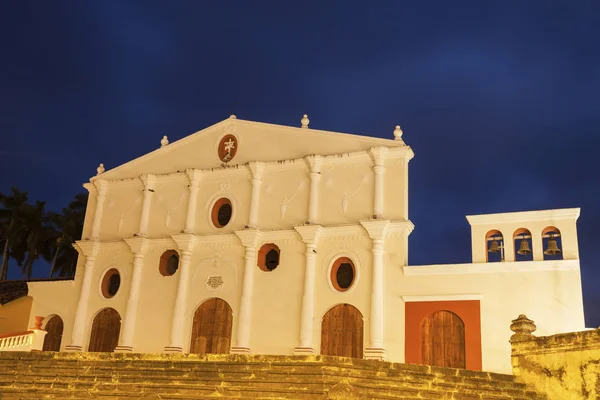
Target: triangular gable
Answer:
pixel 256 141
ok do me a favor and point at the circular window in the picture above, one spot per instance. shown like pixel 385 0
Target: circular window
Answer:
pixel 343 274
pixel 111 283
pixel 221 212
pixel 169 263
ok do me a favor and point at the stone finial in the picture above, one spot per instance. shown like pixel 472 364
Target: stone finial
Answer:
pixel 305 121
pixel 523 328
pixel 38 322
pixel 232 116
pixel 100 169
pixel 397 133
pixel 164 141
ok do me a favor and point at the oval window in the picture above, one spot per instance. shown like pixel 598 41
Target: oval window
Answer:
pixel 343 274
pixel 268 257
pixel 221 213
pixel 169 263
pixel 111 283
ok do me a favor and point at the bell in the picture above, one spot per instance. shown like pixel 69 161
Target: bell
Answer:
pixel 494 247
pixel 552 248
pixel 524 248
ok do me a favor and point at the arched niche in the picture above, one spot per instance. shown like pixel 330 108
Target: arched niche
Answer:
pixel 523 245
pixel 552 251
pixel 494 246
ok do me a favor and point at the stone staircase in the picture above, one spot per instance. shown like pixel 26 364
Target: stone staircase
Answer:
pixel 43 375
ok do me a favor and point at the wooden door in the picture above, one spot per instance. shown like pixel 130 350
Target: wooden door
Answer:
pixel 211 329
pixel 54 327
pixel 342 332
pixel 105 331
pixel 443 340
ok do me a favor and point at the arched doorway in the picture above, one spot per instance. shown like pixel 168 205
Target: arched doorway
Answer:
pixel 211 329
pixel 54 327
pixel 443 340
pixel 342 332
pixel 105 331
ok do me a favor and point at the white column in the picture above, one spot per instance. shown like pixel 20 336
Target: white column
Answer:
pixel 249 239
pixel 148 181
pixel 177 324
pixel 138 247
pixel 314 162
pixel 194 179
pixel 102 187
pixel 376 230
pixel 310 235
pixel 379 155
pixel 256 169
pixel 89 250
pixel 377 296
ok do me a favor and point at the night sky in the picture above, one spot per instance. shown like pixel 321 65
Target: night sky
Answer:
pixel 499 100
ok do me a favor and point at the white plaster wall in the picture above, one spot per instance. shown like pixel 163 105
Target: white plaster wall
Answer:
pixel 169 205
pixel 122 210
pixel 548 292
pixel 284 197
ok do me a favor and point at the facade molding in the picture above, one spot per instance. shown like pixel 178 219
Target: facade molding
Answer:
pixel 524 216
pixel 493 268
pixel 442 297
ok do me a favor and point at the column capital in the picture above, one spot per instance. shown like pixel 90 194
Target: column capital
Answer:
pixel 101 186
pixel 256 169
pixel 149 181
pixel 185 242
pixel 248 237
pixel 89 186
pixel 138 245
pixel 193 176
pixel 89 248
pixel 403 152
pixel 315 162
pixel 309 233
pixel 376 228
pixel 379 155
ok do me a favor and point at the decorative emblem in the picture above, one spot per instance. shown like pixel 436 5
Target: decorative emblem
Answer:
pixel 227 148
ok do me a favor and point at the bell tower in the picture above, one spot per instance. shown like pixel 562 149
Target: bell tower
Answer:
pixel 525 236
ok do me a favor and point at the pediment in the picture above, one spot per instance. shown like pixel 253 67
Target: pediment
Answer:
pixel 252 141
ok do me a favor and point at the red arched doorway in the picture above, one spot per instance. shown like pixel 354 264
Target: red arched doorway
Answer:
pixel 54 327
pixel 105 331
pixel 342 332
pixel 443 340
pixel 211 329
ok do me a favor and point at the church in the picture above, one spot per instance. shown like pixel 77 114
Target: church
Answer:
pixel 254 238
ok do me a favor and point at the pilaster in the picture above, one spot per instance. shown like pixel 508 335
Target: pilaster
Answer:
pixel 138 247
pixel 315 163
pixel 185 243
pixel 310 235
pixel 149 182
pixel 379 155
pixel 194 177
pixel 256 169
pixel 249 239
pixel 102 188
pixel 89 249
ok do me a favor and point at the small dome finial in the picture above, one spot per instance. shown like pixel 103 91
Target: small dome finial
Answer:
pixel 232 116
pixel 305 121
pixel 100 169
pixel 164 141
pixel 397 133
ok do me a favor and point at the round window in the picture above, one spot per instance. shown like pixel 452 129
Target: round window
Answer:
pixel 268 257
pixel 221 212
pixel 343 274
pixel 111 283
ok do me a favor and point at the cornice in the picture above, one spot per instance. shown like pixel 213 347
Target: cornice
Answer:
pixel 492 268
pixel 524 217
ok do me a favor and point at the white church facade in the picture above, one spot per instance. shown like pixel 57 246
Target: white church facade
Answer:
pixel 254 238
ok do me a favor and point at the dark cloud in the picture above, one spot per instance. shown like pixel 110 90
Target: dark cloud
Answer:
pixel 498 100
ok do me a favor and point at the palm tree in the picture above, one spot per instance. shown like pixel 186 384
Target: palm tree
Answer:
pixel 69 224
pixel 11 222
pixel 34 240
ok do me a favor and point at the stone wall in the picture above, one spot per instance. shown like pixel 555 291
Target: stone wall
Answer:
pixel 563 366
